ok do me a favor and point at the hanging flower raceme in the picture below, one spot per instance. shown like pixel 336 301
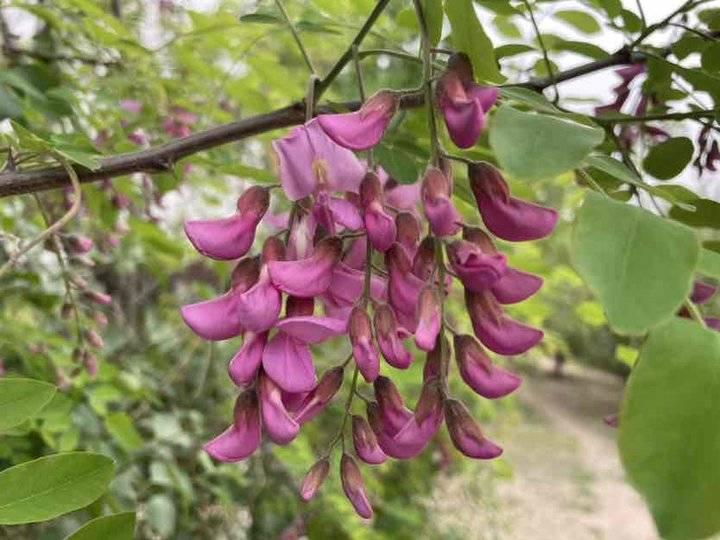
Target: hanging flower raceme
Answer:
pixel 356 264
pixel 463 103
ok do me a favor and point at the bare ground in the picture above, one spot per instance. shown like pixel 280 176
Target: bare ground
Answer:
pixel 567 482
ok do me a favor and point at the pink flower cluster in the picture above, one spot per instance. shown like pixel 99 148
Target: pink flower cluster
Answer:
pixel 353 246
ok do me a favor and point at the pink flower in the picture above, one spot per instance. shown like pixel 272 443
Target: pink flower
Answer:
pixel 466 434
pixel 132 106
pixel 217 319
pixel 311 276
pixel 279 425
pixel 259 307
pixel 314 479
pixel 476 269
pixel 79 245
pixel 230 238
pixel 241 439
pixel 507 217
pixel 462 102
pixel 363 346
pixel 495 330
pixel 363 129
pixel 513 285
pixel 403 286
pixel 365 442
pixel 309 161
pixel 354 487
pixel 440 212
pixel 380 226
pixel 244 366
pixel 388 337
pixel 408 232
pixel 478 371
pixel 428 326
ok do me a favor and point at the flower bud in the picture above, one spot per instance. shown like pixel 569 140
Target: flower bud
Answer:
pixel 478 371
pixel 329 384
pixel 94 339
pixel 424 263
pixel 100 319
pixel 365 442
pixel 466 434
pixel 391 406
pixel 380 226
pixel 90 363
pixel 245 274
pixel 98 297
pixel 361 339
pixel 79 245
pixel 391 346
pixel 314 479
pixel 254 202
pixel 242 438
pixel 436 361
pixel 429 314
pixel 441 213
pixel 507 217
pixel 408 231
pixel 354 487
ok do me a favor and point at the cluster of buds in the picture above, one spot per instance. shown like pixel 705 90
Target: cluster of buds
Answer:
pixel 353 247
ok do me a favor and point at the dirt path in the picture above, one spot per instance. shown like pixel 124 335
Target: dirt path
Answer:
pixel 567 482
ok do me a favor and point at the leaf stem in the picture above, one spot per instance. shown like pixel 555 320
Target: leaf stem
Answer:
pixel 427 76
pixel 296 36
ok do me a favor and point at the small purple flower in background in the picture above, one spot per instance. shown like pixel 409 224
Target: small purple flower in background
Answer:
pixel 463 102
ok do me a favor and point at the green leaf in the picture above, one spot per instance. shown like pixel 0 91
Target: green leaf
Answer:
pixel 709 263
pixel 469 37
pixel 434 17
pixel 528 97
pixel 10 104
pixel 677 195
pixel 113 527
pixel 669 158
pixel 403 166
pixel 706 214
pixel 507 27
pixel 711 57
pixel 121 427
pixel 669 441
pixel 639 265
pixel 512 49
pixel 21 399
pixel 626 355
pixel 580 20
pixel 531 146
pixel 51 486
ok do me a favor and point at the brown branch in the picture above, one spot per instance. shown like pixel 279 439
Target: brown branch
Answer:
pixel 161 158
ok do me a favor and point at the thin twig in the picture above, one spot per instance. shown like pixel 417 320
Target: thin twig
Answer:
pixel 296 36
pixel 543 48
pixel 55 227
pixel 711 113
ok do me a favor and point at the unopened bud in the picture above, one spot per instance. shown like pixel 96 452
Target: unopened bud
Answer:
pixel 314 479
pixel 466 434
pixel 254 201
pixel 354 487
pixel 365 442
pixel 94 339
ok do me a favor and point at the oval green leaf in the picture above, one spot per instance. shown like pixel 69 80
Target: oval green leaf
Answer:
pixel 639 265
pixel 709 263
pixel 51 486
pixel 469 37
pixel 21 399
pixel 532 146
pixel 669 441
pixel 114 527
pixel 669 158
pixel 580 20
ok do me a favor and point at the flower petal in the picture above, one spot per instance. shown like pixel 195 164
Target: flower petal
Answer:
pixel 312 329
pixel 363 129
pixel 365 442
pixel 354 487
pixel 244 365
pixel 307 277
pixel 288 362
pixel 277 422
pixel 478 371
pixel 259 306
pixel 215 319
pixel 515 286
pixel 222 239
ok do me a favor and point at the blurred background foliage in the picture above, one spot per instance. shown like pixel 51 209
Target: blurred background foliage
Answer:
pixel 105 77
